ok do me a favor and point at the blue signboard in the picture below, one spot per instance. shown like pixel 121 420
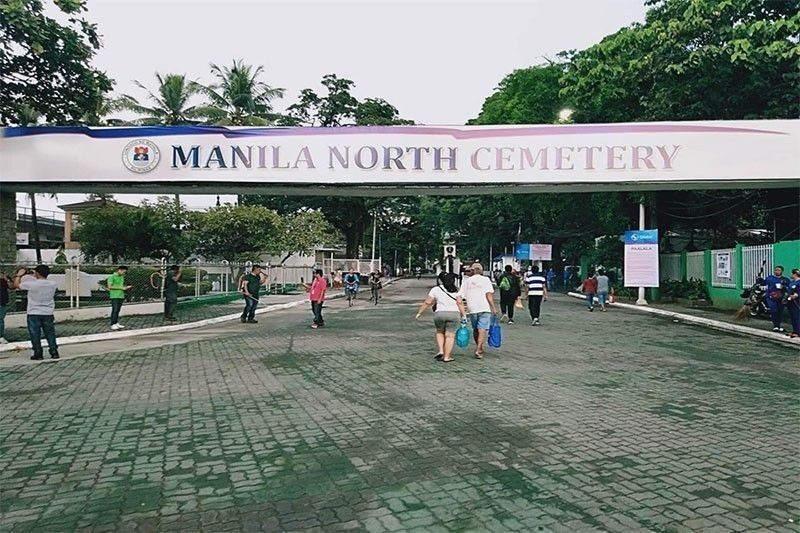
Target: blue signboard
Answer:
pixel 522 251
pixel 642 236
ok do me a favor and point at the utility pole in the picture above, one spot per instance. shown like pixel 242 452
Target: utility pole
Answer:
pixel 641 300
pixel 409 258
pixel 374 235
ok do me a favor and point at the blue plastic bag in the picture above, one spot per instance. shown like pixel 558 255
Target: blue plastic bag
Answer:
pixel 463 335
pixel 495 338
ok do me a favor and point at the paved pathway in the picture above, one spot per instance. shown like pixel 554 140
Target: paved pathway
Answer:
pixel 187 311
pixel 603 421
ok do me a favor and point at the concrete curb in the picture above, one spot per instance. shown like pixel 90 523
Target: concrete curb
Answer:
pixel 126 334
pixel 706 322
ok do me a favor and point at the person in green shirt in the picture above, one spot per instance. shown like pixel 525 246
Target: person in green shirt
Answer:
pixel 251 287
pixel 116 293
pixel 171 292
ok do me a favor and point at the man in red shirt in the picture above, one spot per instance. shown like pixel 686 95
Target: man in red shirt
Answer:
pixel 317 296
pixel 589 288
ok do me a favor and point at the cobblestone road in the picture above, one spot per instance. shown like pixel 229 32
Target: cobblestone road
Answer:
pixel 187 311
pixel 602 421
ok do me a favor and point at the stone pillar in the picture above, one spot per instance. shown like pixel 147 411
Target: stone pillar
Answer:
pixel 8 227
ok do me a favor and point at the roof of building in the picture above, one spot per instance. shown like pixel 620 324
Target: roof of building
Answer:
pixel 89 204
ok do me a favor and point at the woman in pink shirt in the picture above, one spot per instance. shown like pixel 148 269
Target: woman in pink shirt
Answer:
pixel 317 296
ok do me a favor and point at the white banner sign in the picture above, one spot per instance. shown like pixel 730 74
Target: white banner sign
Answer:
pixel 541 252
pixel 722 261
pixel 22 239
pixel 641 258
pixel 678 153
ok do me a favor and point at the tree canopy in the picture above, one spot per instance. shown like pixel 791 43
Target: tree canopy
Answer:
pixel 45 64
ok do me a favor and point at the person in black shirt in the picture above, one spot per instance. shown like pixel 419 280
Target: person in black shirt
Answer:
pixel 171 292
pixel 251 287
pixel 508 282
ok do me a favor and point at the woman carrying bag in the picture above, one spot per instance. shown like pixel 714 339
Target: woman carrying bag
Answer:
pixel 448 314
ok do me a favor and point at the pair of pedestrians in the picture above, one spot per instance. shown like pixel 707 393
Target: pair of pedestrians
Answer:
pixel 781 293
pixel 596 285
pixel 475 299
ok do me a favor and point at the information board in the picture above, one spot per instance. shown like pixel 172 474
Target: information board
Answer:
pixel 641 258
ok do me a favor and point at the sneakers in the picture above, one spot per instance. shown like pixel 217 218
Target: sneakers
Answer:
pixel 55 356
pixel 253 321
pixel 37 357
pixel 3 340
pixel 243 319
pixel 779 330
pixel 535 322
pixel 314 326
pixel 591 309
pixel 115 327
pixel 510 321
pixel 504 317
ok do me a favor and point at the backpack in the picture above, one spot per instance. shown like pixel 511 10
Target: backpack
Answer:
pixel 505 284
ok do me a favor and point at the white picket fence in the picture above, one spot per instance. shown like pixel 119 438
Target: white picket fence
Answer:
pixel 754 260
pixel 696 266
pixel 670 267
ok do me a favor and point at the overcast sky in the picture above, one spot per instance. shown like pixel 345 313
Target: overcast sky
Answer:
pixel 435 60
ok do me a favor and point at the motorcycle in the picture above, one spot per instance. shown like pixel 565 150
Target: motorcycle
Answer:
pixel 755 297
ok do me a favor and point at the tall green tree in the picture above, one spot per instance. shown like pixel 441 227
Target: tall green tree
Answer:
pixel 45 61
pixel 337 107
pixel 235 233
pixel 121 232
pixel 239 97
pixel 378 112
pixel 690 60
pixel 526 96
pixel 169 104
pixel 351 216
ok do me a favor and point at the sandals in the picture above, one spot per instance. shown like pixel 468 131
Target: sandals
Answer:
pixel 479 355
pixel 439 356
pixel 448 360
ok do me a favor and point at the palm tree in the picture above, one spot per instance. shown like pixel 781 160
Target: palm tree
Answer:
pixel 99 115
pixel 28 116
pixel 239 98
pixel 169 102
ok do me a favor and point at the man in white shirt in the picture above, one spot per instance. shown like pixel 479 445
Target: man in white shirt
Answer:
pixel 41 307
pixel 478 293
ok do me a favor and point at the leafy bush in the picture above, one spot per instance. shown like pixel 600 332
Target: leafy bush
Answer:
pixel 691 289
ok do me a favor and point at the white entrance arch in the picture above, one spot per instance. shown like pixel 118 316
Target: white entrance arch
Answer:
pixel 397 160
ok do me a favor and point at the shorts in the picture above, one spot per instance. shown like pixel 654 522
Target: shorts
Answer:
pixel 481 320
pixel 446 320
pixel 603 297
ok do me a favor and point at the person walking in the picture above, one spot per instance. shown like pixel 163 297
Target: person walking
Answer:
pixel 41 308
pixel 551 279
pixel 251 288
pixel 536 285
pixel 116 293
pixel 171 280
pixel 316 295
pixel 478 293
pixel 589 288
pixel 793 302
pixel 447 315
pixel 777 285
pixel 603 286
pixel 508 282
